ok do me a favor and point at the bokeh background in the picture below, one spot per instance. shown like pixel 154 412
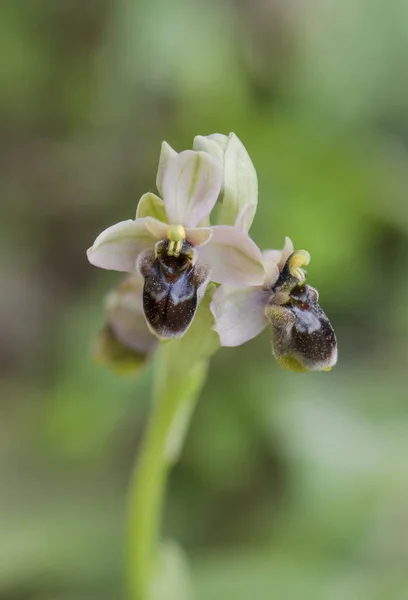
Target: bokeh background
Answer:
pixel 290 486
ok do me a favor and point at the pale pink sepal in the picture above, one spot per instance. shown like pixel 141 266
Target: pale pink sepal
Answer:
pixel 191 185
pixel 167 155
pixel 239 313
pixel 233 257
pixel 118 246
pixel 157 228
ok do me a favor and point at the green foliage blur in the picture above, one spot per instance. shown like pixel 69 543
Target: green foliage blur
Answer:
pixel 290 486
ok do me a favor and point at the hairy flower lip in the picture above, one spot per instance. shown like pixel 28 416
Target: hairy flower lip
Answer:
pixel 303 338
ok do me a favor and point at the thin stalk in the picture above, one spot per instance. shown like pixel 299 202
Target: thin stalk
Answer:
pixel 180 372
pixel 147 494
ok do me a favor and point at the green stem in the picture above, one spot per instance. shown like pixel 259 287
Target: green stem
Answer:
pixel 146 496
pixel 180 372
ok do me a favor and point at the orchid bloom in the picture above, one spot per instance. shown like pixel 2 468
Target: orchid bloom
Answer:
pixel 173 252
pixel 171 244
pixel 302 336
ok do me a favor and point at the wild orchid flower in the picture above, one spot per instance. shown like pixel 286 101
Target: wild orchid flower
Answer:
pixel 302 336
pixel 174 248
pixel 171 252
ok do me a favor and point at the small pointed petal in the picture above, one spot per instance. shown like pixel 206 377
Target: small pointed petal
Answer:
pixel 245 217
pixel 157 228
pixel 272 274
pixel 151 205
pixel 198 236
pixel 233 257
pixel 279 257
pixel 274 261
pixel 239 313
pixel 118 246
pixel 191 186
pixel 167 155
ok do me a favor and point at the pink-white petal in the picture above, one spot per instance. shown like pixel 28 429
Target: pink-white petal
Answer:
pixel 239 313
pixel 234 259
pixel 191 186
pixel 279 257
pixel 151 205
pixel 118 246
pixel 198 236
pixel 272 273
pixel 167 155
pixel 157 228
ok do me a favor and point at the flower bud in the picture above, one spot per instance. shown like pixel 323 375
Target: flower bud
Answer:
pixel 125 344
pixel 240 182
pixel 108 350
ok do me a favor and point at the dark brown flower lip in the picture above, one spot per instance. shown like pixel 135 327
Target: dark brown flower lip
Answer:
pixel 171 290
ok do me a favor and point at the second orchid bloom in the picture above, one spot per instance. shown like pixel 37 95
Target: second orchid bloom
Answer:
pixel 175 251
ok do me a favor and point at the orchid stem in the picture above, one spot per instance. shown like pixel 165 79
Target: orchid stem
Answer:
pixel 173 404
pixel 146 498
pixel 181 368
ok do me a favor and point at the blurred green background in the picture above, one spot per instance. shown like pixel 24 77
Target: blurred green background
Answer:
pixel 290 486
